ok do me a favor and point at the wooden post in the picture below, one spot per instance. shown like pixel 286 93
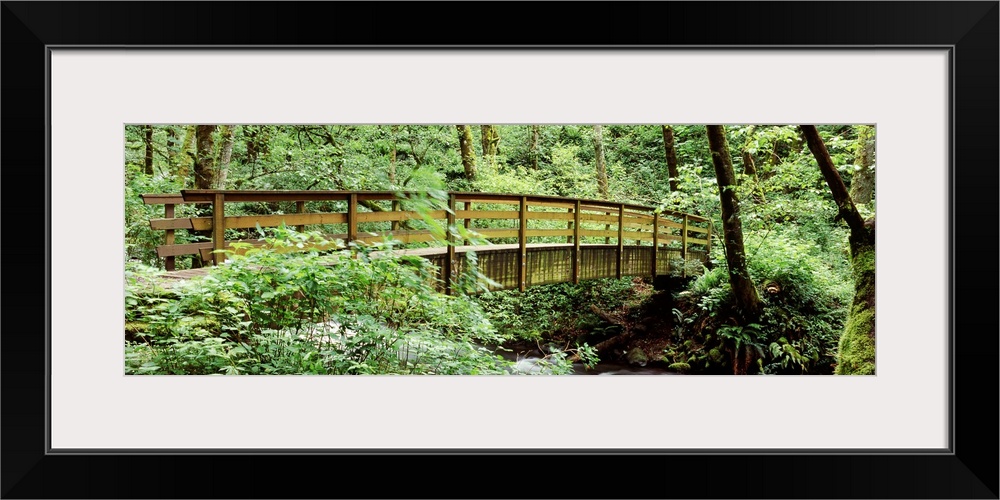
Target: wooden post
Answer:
pixel 352 217
pixel 522 240
pixel 569 225
pixel 621 242
pixel 468 221
pixel 395 208
pixel 656 233
pixel 607 227
pixel 576 243
pixel 168 239
pixel 684 246
pixel 218 228
pixel 708 238
pixel 300 207
pixel 449 262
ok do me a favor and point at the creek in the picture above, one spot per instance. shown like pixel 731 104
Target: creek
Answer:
pixel 528 363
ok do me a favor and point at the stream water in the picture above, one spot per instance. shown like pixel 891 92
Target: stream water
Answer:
pixel 609 368
pixel 528 363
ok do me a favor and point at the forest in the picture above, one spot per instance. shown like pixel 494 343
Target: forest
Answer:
pixel 783 286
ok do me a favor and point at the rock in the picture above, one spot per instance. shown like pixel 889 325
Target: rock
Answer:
pixel 636 356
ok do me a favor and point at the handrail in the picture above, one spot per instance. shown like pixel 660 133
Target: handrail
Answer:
pixel 584 218
pixel 207 196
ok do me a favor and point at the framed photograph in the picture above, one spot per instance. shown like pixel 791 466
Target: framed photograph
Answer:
pixel 923 73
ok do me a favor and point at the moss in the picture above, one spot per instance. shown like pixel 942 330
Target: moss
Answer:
pixel 636 356
pixel 136 327
pixel 863 272
pixel 680 366
pixel 856 352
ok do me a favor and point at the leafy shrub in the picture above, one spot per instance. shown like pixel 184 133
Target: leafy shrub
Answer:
pixel 323 309
pixel 804 309
pixel 547 310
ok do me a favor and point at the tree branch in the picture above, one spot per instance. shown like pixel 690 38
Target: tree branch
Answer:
pixel 841 196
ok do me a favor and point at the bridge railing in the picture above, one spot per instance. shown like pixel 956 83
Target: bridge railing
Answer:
pixel 620 238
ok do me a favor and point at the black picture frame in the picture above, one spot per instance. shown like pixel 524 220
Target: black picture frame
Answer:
pixel 968 470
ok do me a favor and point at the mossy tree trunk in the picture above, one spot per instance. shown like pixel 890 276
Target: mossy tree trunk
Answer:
pixel 468 155
pixel 186 156
pixel 225 157
pixel 745 294
pixel 856 351
pixel 491 143
pixel 863 181
pixel 204 166
pixel 602 172
pixel 671 153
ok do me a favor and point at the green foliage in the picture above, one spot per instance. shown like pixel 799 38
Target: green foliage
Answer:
pixel 322 312
pixel 792 239
pixel 804 309
pixel 140 239
pixel 561 308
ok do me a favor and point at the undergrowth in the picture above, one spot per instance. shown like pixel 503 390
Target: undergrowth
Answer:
pixel 803 314
pixel 336 311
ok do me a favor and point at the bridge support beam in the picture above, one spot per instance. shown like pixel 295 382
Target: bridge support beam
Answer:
pixel 656 243
pixel 522 240
pixel 352 220
pixel 169 263
pixel 621 242
pixel 218 228
pixel 449 261
pixel 300 207
pixel 684 246
pixel 576 242
pixel 468 221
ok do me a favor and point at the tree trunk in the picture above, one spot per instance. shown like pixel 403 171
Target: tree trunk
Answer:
pixel 186 156
pixel 602 173
pixel 747 300
pixel 468 155
pixel 533 147
pixel 749 168
pixel 856 351
pixel 671 152
pixel 204 167
pixel 225 156
pixel 863 181
pixel 393 130
pixel 251 132
pixel 491 143
pixel 148 140
pixel 172 147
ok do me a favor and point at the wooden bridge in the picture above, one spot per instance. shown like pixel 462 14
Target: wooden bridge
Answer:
pixel 529 239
